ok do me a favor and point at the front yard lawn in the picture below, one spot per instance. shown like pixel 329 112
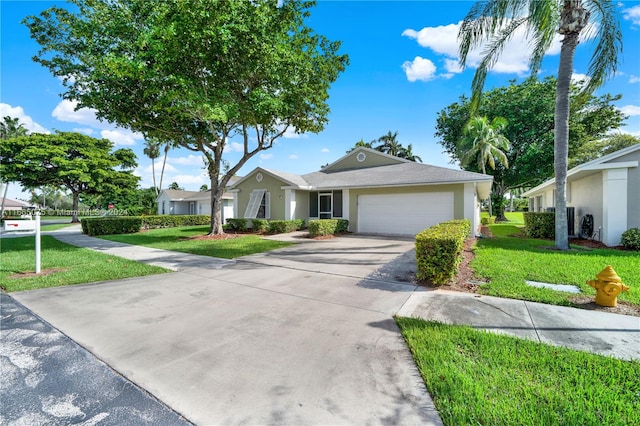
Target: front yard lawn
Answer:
pixel 481 378
pixel 508 259
pixel 61 264
pixel 180 239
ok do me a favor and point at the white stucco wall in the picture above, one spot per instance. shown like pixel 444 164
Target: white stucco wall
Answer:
pixel 586 197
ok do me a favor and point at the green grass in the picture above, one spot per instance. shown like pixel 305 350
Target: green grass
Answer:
pixel 77 265
pixel 55 226
pixel 480 378
pixel 176 239
pixel 509 259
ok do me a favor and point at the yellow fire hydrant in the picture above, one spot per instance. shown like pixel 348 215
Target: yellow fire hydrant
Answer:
pixel 608 286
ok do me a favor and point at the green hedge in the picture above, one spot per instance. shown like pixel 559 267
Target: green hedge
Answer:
pixel 540 224
pixel 488 220
pixel 236 224
pixel 260 226
pixel 111 225
pixel 285 226
pixel 322 227
pixel 127 224
pixel 439 250
pixel 631 239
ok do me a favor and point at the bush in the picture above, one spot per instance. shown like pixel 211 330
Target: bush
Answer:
pixel 631 239
pixel 439 250
pixel 236 224
pixel 488 220
pixel 322 227
pixel 111 225
pixel 283 226
pixel 540 224
pixel 126 224
pixel 259 225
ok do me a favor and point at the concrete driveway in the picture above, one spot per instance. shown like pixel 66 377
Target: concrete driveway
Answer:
pixel 301 335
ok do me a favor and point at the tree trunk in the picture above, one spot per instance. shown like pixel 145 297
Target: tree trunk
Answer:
pixel 4 198
pixel 74 208
pixel 573 9
pixel 153 173
pixel 216 209
pixel 164 161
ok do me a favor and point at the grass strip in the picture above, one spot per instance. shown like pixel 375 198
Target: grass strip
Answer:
pixel 72 265
pixel 508 259
pixel 178 239
pixel 477 377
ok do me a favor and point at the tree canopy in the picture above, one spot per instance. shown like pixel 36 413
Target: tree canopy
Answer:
pixel 79 163
pixel 492 23
pixel 194 73
pixel 528 108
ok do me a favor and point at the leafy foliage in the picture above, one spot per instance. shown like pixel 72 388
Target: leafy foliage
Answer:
pixel 324 227
pixel 631 239
pixel 194 73
pixel 539 224
pixel 439 250
pixel 389 145
pixel 81 164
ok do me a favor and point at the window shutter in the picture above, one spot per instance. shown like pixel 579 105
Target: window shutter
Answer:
pixel 254 203
pixel 267 205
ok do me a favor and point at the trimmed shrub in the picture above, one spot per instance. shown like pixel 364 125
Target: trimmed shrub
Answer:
pixel 111 225
pixel 439 250
pixel 488 220
pixel 631 239
pixel 282 226
pixel 540 224
pixel 237 224
pixel 259 225
pixel 323 227
pixel 172 221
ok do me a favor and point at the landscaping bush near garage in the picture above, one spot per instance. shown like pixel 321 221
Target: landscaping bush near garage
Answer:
pixel 130 224
pixel 262 226
pixel 236 225
pixel 540 224
pixel 631 239
pixel 285 226
pixel 439 250
pixel 324 227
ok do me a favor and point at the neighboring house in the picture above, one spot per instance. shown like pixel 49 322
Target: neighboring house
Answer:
pixel 608 188
pixel 10 204
pixel 192 202
pixel 376 192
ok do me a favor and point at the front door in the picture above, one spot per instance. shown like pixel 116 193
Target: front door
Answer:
pixel 325 205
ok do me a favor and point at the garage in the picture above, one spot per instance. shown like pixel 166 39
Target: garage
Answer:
pixel 403 214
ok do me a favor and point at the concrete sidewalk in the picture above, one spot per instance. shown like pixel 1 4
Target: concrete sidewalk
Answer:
pixel 597 332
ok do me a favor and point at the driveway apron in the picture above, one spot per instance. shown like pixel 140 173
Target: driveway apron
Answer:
pixel 300 335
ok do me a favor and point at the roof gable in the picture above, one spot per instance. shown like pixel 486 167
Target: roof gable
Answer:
pixel 361 158
pixel 288 179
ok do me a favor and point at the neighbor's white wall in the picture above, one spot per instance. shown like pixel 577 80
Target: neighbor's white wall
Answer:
pixel 614 191
pixel 586 197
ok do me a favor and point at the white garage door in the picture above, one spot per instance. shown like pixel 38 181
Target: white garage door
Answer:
pixel 403 214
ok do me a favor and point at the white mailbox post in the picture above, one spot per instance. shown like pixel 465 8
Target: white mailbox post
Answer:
pixel 27 227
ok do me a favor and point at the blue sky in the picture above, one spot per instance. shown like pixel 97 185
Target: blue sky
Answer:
pixel 403 72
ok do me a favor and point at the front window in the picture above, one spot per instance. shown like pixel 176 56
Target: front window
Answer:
pixel 259 205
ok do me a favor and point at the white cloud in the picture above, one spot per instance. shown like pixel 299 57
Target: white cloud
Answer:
pixel 577 78
pixel 266 156
pixel 420 69
pixel 293 157
pixel 168 168
pixel 234 147
pixel 188 180
pixel 121 136
pixel 18 112
pixel 66 111
pixel 290 133
pixel 190 160
pixel 443 41
pixel 634 79
pixel 632 14
pixel 324 150
pixel 630 110
pixel 85 130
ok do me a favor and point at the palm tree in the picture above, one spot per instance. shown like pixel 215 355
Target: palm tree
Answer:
pixel 484 144
pixel 9 128
pixel 152 150
pixel 407 153
pixel 390 144
pixel 167 147
pixel 496 21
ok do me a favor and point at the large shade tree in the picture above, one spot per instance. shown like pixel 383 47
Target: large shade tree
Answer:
pixel 10 127
pixel 494 22
pixel 528 108
pixel 79 163
pixel 195 73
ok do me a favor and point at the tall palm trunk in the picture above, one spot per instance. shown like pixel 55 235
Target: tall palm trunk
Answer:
pixel 164 162
pixel 153 173
pixel 574 18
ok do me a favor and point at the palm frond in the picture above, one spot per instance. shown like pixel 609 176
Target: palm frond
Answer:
pixel 604 61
